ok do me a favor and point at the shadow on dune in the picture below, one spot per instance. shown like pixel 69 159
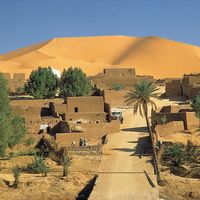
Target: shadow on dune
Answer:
pixel 136 129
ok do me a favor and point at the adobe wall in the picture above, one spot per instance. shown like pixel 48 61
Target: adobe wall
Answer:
pixel 92 133
pixel 191 85
pixel 86 117
pixel 30 110
pixel 119 72
pixel 116 98
pixel 93 104
pixel 194 92
pixel 18 80
pixel 191 119
pixel 170 117
pixel 169 128
pixel 173 88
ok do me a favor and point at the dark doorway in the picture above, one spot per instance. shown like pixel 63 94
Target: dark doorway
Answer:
pixel 76 109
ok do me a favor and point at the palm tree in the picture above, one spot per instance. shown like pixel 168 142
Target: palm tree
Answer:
pixel 141 95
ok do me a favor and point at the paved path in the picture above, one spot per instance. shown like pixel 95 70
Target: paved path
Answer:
pixel 122 176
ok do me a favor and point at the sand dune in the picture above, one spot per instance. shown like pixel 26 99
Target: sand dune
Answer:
pixel 149 55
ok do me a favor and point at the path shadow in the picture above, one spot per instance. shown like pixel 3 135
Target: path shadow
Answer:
pixel 136 129
pixel 86 191
pixel 124 149
pixel 143 147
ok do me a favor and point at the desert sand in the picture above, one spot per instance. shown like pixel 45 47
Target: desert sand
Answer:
pixel 149 55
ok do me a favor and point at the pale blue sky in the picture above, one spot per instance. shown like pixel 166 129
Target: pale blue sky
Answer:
pixel 25 22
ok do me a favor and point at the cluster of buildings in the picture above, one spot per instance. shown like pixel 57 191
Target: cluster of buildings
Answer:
pixel 188 86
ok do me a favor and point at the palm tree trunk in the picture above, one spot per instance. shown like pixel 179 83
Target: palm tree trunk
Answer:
pixel 152 141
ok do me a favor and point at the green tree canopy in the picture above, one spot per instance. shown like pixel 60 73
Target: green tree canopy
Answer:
pixel 42 83
pixel 12 127
pixel 74 82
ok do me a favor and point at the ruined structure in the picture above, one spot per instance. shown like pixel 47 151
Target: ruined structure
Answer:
pixel 175 113
pixel 126 77
pixel 188 87
pixel 14 82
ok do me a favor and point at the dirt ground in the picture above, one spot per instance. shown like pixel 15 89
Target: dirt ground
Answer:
pixel 52 187
pixel 122 170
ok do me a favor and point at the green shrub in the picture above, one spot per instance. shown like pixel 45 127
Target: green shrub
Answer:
pixel 16 174
pixel 30 152
pixel 178 153
pixel 117 87
pixel 163 120
pixel 66 162
pixel 174 153
pixel 30 141
pixel 38 166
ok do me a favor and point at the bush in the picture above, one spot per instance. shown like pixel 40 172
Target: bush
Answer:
pixel 16 174
pixel 163 120
pixel 30 141
pixel 117 87
pixel 66 162
pixel 174 153
pixel 38 166
pixel 178 153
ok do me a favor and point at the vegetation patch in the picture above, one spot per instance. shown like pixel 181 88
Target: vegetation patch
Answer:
pixel 183 160
pixel 38 166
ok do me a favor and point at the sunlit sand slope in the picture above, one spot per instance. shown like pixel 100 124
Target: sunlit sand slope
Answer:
pixel 149 55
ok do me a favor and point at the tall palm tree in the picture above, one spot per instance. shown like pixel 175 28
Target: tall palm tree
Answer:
pixel 141 95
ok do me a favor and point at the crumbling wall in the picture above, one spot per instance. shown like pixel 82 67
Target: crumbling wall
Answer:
pixel 173 88
pixel 120 72
pixel 124 76
pixel 170 117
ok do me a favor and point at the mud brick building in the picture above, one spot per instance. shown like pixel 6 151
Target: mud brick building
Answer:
pixel 111 76
pixel 175 113
pixel 188 86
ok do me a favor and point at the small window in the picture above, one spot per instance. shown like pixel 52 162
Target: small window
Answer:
pixel 70 119
pixel 76 109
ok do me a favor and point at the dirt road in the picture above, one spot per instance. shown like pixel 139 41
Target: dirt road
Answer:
pixel 122 171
